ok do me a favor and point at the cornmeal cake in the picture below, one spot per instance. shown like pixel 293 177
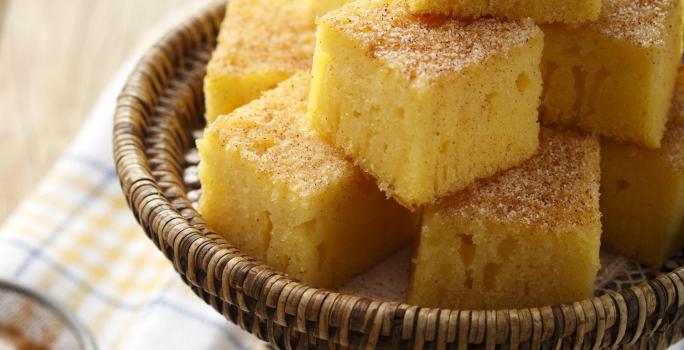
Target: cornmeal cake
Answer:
pixel 542 11
pixel 642 193
pixel 615 76
pixel 529 236
pixel 278 192
pixel 426 104
pixel 261 43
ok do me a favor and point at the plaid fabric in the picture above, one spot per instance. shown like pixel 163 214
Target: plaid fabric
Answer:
pixel 75 240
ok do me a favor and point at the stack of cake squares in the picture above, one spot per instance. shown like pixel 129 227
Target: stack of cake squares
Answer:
pixel 502 140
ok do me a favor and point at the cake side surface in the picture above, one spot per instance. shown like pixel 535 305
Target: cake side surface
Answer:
pixel 640 22
pixel 614 77
pixel 643 194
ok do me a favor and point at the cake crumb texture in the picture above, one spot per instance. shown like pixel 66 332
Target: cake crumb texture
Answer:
pixel 642 193
pixel 615 77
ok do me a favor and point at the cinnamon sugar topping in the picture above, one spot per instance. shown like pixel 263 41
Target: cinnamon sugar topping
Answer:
pixel 557 188
pixel 265 35
pixel 673 145
pixel 272 133
pixel 642 22
pixel 423 45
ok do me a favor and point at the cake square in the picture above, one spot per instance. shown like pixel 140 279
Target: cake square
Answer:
pixel 529 236
pixel 426 104
pixel 273 188
pixel 542 11
pixel 260 44
pixel 642 193
pixel 615 76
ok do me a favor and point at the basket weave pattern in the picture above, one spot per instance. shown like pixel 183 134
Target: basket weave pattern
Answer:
pixel 157 111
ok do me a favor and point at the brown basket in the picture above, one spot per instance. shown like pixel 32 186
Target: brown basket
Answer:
pixel 158 110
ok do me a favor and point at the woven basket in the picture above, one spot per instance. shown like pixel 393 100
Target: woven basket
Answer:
pixel 158 110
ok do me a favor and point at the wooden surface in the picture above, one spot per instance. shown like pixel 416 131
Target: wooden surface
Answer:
pixel 56 56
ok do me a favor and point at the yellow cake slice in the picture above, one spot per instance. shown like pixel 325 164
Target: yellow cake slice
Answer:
pixel 274 189
pixel 426 104
pixel 542 11
pixel 615 76
pixel 642 193
pixel 529 236
pixel 261 43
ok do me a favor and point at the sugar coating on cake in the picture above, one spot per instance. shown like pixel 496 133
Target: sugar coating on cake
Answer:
pixel 260 44
pixel 673 147
pixel 641 22
pixel 262 35
pixel 427 45
pixel 272 134
pixel 542 11
pixel 551 190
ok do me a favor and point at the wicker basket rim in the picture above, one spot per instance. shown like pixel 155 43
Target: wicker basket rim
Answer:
pixel 147 201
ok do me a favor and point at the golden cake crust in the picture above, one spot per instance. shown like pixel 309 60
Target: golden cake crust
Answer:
pixel 252 42
pixel 673 142
pixel 641 22
pixel 427 45
pixel 552 189
pixel 542 11
pixel 672 149
pixel 271 131
pixel 677 108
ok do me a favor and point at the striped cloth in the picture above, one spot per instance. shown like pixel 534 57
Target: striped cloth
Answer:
pixel 75 240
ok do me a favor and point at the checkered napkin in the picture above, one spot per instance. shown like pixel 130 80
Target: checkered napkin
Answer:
pixel 75 240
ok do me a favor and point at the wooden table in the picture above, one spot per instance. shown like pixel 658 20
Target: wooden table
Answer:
pixel 56 56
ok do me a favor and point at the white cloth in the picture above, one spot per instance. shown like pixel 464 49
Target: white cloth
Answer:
pixel 75 240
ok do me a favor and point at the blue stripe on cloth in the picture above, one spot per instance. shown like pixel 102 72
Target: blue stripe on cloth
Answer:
pixel 57 232
pixel 222 326
pixel 92 162
pixel 158 301
pixel 36 254
pixel 73 278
